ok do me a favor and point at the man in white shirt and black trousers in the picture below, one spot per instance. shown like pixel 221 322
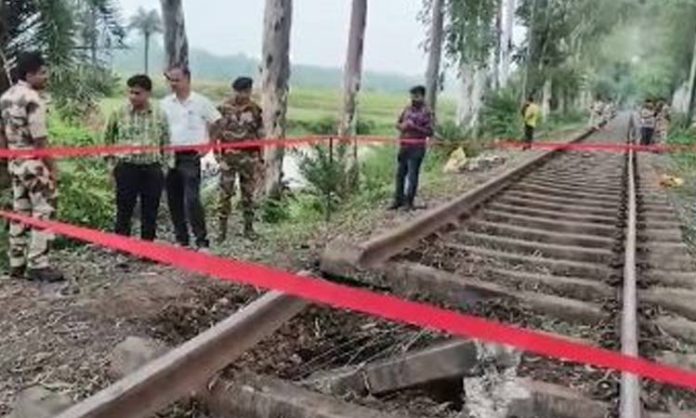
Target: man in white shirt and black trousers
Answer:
pixel 189 116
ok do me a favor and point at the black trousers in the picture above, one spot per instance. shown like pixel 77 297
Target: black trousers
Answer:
pixel 184 198
pixel 646 136
pixel 528 135
pixel 410 160
pixel 133 182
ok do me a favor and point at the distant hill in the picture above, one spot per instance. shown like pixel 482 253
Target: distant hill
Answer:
pixel 208 66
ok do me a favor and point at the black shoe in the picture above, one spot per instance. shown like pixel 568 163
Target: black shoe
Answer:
pixel 395 206
pixel 46 274
pixel 18 272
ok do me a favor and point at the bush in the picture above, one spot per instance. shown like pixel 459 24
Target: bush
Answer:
pixel 78 89
pixel 327 174
pixel 500 117
pixel 377 171
pixel 452 137
pixel 85 192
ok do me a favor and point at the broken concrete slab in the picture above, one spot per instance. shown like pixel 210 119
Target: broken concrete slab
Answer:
pixel 543 400
pixel 449 360
pixel 524 398
pixel 444 361
pixel 256 396
pixel 39 402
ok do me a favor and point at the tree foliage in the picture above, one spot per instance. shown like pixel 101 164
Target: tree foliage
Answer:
pixel 70 33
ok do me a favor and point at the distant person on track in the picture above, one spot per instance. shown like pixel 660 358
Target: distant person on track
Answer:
pixel 648 120
pixel 596 114
pixel 530 114
pixel 662 122
pixel 23 126
pixel 415 125
pixel 138 176
pixel 189 116
pixel 242 120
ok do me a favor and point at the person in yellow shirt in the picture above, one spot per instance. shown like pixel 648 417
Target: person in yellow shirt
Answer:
pixel 530 114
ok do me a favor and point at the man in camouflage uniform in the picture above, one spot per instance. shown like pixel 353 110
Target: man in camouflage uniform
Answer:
pixel 241 121
pixel 24 127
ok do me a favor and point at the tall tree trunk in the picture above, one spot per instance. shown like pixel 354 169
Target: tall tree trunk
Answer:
pixel 352 77
pixel 506 41
pixel 275 73
pixel 680 99
pixel 464 104
pixel 498 50
pixel 432 75
pixel 481 76
pixel 692 88
pixel 147 53
pixel 546 99
pixel 175 40
pixel 93 35
pixel 473 89
pixel 5 83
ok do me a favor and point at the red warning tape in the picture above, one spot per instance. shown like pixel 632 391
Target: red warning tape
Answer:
pixel 97 150
pixel 384 306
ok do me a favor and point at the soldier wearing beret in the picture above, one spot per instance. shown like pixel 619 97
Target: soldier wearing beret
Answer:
pixel 241 121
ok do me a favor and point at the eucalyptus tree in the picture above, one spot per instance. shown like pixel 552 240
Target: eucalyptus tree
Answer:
pixel 470 40
pixel 275 76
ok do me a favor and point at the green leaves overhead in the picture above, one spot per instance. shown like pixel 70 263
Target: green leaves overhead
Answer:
pixel 470 30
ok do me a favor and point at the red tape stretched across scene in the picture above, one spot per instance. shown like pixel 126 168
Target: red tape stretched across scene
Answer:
pixel 97 150
pixel 371 303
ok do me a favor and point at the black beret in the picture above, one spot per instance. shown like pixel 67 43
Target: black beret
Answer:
pixel 242 83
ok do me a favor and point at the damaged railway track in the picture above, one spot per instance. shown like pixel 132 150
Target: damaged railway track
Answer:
pixel 582 244
pixel 578 244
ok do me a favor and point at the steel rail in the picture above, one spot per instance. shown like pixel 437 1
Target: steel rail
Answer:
pixel 186 369
pixel 629 402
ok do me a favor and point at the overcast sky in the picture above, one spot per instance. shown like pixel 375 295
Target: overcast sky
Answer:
pixel 319 31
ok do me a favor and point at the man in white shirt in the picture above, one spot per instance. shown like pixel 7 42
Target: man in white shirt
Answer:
pixel 189 116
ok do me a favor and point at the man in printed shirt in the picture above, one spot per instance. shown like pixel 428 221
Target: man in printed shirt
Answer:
pixel 23 126
pixel 415 126
pixel 241 121
pixel 139 175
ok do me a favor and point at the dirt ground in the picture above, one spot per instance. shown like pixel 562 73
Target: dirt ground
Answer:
pixel 60 336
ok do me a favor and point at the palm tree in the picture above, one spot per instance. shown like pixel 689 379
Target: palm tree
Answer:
pixel 147 23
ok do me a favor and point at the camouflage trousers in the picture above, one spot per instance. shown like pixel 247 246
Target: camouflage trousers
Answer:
pixel 33 194
pixel 246 166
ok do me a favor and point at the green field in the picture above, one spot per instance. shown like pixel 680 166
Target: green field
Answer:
pixel 307 106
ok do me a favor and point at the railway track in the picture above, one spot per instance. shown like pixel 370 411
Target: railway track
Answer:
pixel 583 244
pixel 575 243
